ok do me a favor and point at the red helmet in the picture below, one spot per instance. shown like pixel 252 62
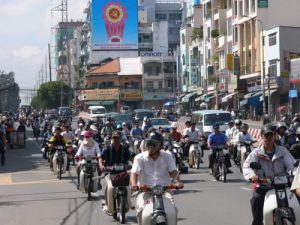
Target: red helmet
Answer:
pixel 88 134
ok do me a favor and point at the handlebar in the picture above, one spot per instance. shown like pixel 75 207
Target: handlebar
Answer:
pixel 145 188
pixel 118 168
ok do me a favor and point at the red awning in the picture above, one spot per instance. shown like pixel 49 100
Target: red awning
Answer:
pixel 280 108
pixel 294 81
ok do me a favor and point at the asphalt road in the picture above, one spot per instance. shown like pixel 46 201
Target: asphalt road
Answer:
pixel 31 195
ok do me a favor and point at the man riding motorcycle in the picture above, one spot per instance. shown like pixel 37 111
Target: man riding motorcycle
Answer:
pixel 67 134
pixel 153 167
pixel 281 129
pixel 194 135
pixel 56 140
pixel 107 129
pixel 274 160
pixel 115 153
pixel 235 132
pixel 215 139
pixel 174 134
pixel 88 147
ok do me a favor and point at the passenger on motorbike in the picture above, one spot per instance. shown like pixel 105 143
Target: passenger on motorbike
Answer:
pixel 88 147
pixel 56 140
pixel 126 131
pixel 281 129
pixel 174 134
pixel 115 153
pixel 193 135
pixel 79 130
pixel 153 167
pixel 81 120
pixel 68 134
pixel 107 129
pixel 123 136
pixel 215 139
pixel 233 141
pixel 291 139
pixel 229 130
pixel 274 160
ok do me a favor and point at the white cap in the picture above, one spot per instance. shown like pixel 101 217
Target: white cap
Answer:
pixel 124 124
pixel 174 125
pixel 80 124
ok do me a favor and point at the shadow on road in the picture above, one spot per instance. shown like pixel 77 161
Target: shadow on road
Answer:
pixel 183 191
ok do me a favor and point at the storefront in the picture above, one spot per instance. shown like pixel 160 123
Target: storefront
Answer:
pixel 132 99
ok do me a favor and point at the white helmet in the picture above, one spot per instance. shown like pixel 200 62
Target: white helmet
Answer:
pixel 124 124
pixel 298 130
pixel 174 125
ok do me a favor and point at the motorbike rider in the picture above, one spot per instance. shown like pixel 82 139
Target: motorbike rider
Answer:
pixel 87 147
pixel 126 131
pixel 136 131
pixel 243 136
pixel 80 120
pixel 214 139
pixel 79 130
pixel 2 148
pixel 266 119
pixel 295 148
pixel 96 134
pixel 153 167
pixel 233 141
pixel 123 136
pixel 281 129
pixel 107 129
pixel 194 135
pixel 56 140
pixel 68 134
pixel 36 128
pixel 274 160
pixel 229 130
pixel 187 126
pixel 146 124
pixel 115 153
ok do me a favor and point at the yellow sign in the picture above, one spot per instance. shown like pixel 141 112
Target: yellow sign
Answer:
pixel 229 63
pixel 132 95
pixel 101 94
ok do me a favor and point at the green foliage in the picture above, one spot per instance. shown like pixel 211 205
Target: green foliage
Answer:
pixel 197 34
pixel 215 33
pixel 49 95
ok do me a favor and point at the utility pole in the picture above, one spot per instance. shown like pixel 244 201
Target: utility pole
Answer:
pixel 49 62
pixel 46 77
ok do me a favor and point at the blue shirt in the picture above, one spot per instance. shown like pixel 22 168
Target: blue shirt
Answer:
pixel 217 139
pixel 137 132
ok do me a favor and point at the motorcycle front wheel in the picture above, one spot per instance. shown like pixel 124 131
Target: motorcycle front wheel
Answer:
pixel 121 212
pixel 89 188
pixel 59 170
pixel 224 173
pixel 197 159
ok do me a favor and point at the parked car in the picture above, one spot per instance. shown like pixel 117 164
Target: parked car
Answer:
pixel 121 118
pixel 160 122
pixel 140 114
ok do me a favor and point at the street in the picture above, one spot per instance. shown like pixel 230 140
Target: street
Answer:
pixel 31 194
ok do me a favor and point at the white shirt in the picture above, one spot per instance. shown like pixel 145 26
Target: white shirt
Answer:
pixel 152 172
pixel 194 135
pixel 243 137
pixel 229 133
pixel 78 132
pixel 93 151
pixel 68 135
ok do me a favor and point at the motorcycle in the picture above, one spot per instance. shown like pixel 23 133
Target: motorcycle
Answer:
pixel 177 151
pixel 118 192
pixel 59 161
pixel 281 207
pixel 195 154
pixel 244 150
pixel 45 149
pixel 88 170
pixel 219 165
pixel 159 210
pixel 71 151
pixel 137 144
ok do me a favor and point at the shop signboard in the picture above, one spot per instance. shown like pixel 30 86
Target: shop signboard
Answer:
pixel 101 94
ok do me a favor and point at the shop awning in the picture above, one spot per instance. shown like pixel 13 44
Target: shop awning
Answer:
pixel 229 96
pixel 188 96
pixel 212 96
pixel 106 103
pixel 254 100
pixel 267 93
pixel 90 103
pixel 198 99
pixel 252 75
pixel 203 97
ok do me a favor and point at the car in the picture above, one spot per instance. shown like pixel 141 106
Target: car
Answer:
pixel 160 122
pixel 52 114
pixel 97 112
pixel 111 115
pixel 121 118
pixel 205 119
pixel 140 114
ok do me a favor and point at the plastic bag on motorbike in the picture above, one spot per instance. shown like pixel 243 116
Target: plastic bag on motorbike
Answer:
pixel 120 179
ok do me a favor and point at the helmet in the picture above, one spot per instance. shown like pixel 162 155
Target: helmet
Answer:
pixel 268 128
pixel 107 122
pixel 280 125
pixel 296 125
pixel 155 139
pixel 231 122
pixel 238 122
pixel 119 126
pixel 290 132
pixel 124 124
pixel 88 134
pixel 174 125
pixel 244 126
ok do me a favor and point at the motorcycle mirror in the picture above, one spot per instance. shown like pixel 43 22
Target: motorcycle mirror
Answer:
pixel 296 164
pixel 255 165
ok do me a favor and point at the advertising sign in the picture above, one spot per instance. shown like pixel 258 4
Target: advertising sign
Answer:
pixel 114 25
pixel 101 94
pixel 137 95
pixel 295 71
pixel 293 94
pixel 262 3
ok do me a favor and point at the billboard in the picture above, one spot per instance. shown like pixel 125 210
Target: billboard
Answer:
pixel 114 24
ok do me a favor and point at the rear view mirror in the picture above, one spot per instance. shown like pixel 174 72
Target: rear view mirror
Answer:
pixel 255 166
pixel 296 164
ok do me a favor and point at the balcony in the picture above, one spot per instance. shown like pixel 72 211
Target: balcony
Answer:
pixel 146 45
pixel 145 30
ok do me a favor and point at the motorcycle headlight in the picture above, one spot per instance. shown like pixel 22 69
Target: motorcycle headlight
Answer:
pixel 119 167
pixel 158 190
pixel 280 180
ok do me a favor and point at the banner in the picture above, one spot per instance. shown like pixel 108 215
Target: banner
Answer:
pixel 114 25
pixel 101 94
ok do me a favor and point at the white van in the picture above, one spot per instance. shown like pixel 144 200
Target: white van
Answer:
pixel 97 111
pixel 205 119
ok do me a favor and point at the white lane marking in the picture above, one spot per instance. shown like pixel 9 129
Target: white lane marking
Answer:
pixel 246 188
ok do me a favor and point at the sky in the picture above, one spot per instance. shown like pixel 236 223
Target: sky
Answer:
pixel 25 27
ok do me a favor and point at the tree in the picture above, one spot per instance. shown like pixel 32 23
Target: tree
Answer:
pixel 197 34
pixel 50 94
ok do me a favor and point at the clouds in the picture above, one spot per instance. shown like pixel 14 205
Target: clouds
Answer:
pixel 26 52
pixel 26 31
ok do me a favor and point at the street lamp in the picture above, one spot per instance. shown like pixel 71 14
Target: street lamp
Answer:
pixel 263 64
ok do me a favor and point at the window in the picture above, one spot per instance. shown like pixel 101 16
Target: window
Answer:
pixel 174 16
pixel 272 39
pixel 273 68
pixel 161 16
pixel 183 60
pixel 183 39
pixel 236 35
pixel 149 85
pixel 229 4
pixel 160 85
pixel 235 8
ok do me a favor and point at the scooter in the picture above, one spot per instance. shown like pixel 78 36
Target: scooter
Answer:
pixel 137 144
pixel 71 151
pixel 88 171
pixel 281 207
pixel 159 210
pixel 118 192
pixel 178 154
pixel 244 150
pixel 195 155
pixel 59 161
pixel 219 166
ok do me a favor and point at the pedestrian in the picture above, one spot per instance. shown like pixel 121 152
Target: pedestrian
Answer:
pixel 2 148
